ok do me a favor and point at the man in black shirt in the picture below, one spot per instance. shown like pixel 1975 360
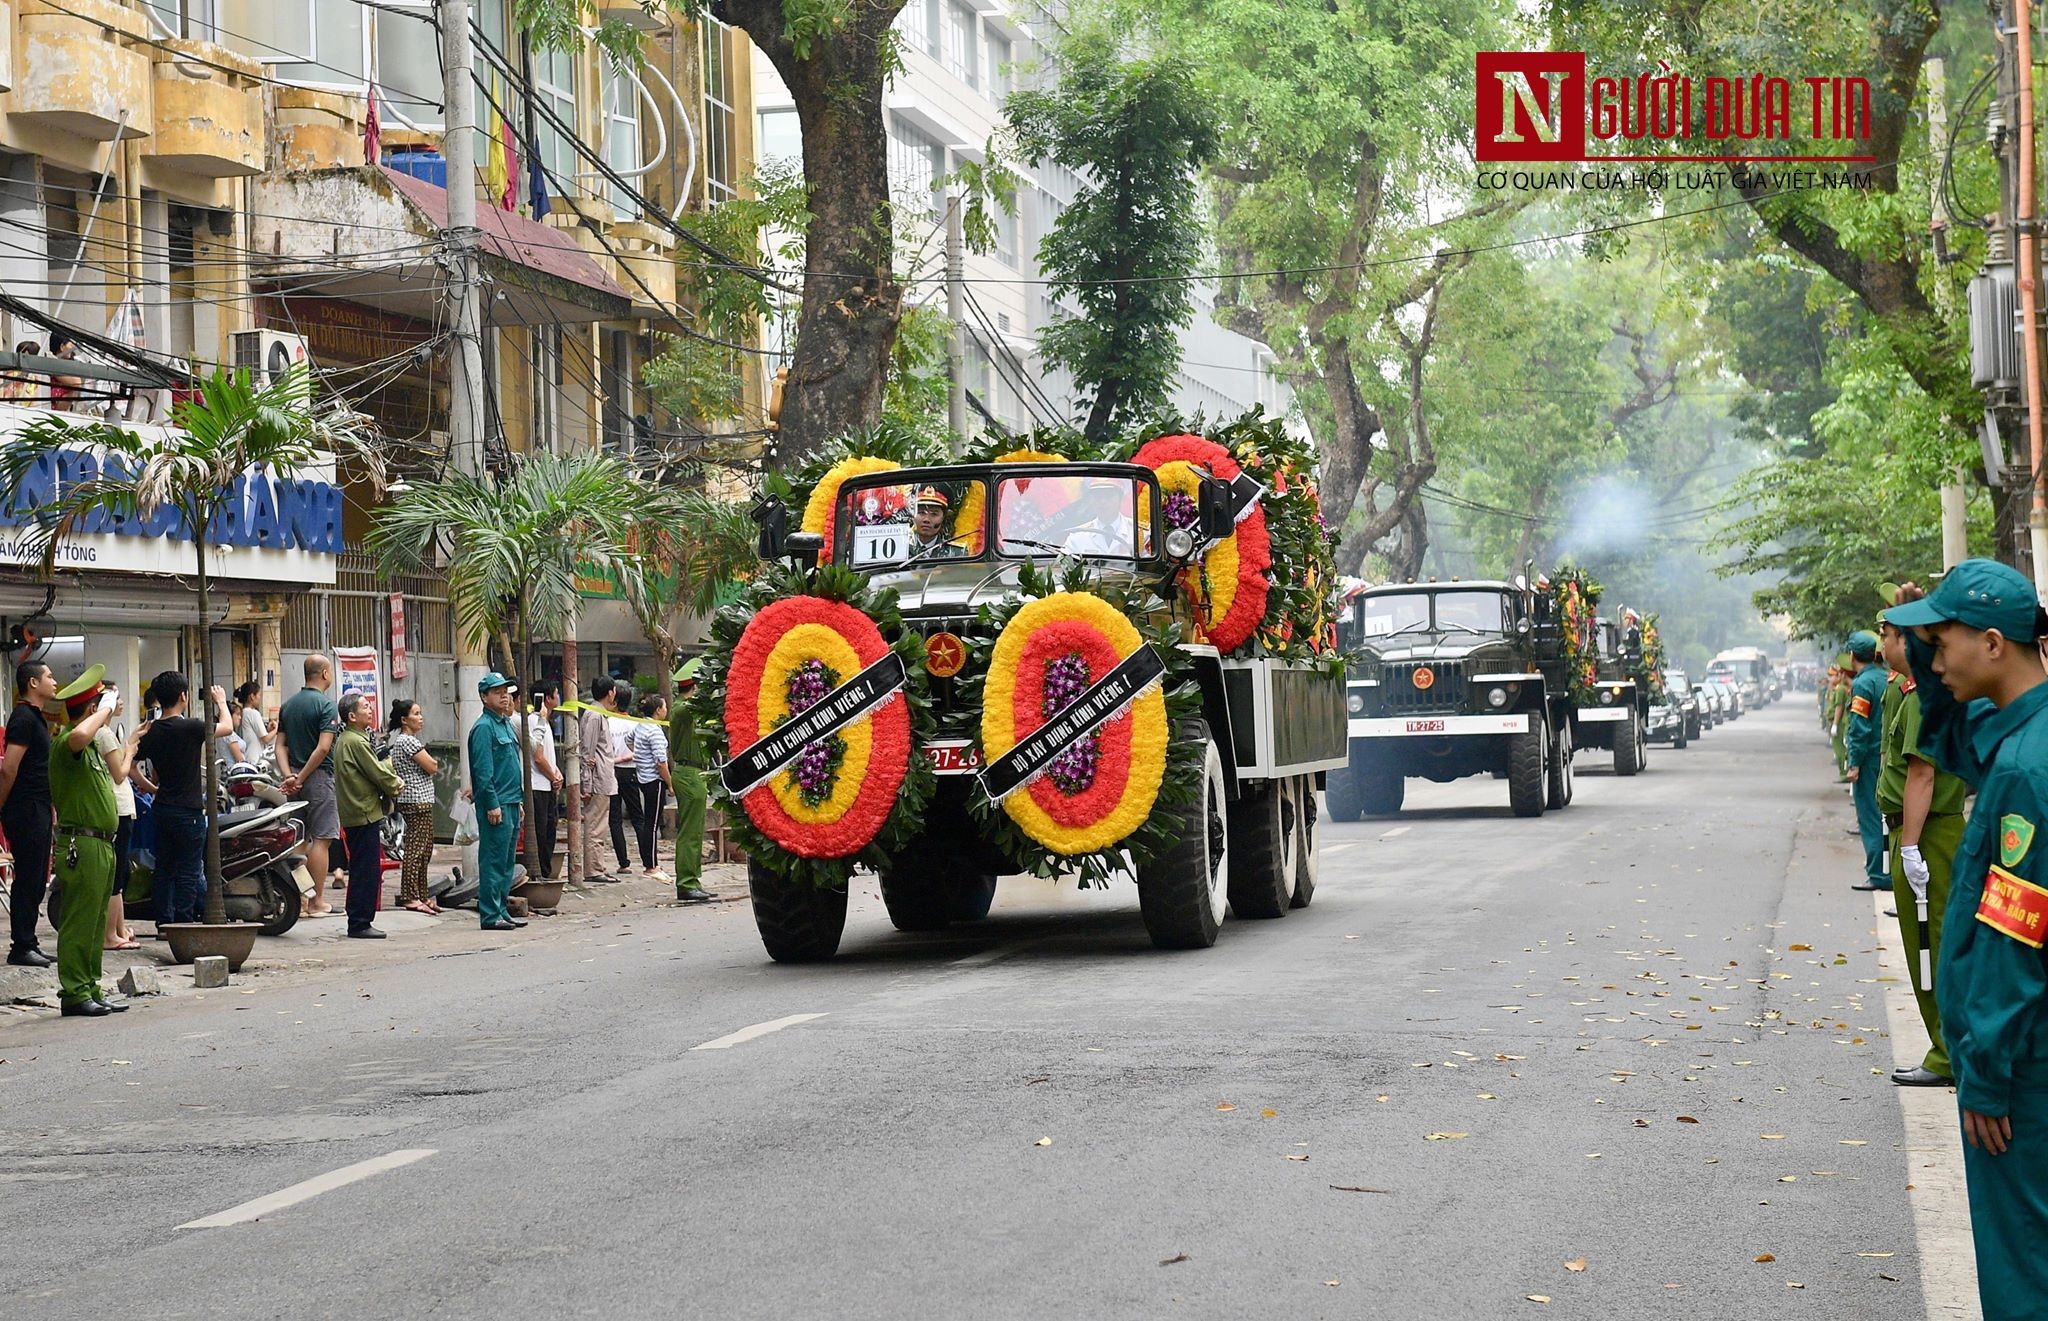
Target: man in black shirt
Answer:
pixel 173 745
pixel 25 810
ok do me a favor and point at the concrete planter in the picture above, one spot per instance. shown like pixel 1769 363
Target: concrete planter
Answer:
pixel 232 941
pixel 540 894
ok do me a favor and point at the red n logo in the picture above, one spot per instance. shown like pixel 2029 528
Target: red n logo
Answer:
pixel 1530 106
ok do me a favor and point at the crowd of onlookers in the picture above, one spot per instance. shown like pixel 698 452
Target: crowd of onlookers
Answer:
pixel 352 766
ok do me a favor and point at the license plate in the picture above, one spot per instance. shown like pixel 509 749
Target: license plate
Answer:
pixel 1424 727
pixel 304 879
pixel 953 757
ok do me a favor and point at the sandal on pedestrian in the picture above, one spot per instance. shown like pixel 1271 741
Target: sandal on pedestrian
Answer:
pixel 420 906
pixel 125 944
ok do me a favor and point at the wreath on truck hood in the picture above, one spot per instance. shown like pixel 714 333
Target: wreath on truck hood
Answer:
pixel 847 799
pixel 1111 796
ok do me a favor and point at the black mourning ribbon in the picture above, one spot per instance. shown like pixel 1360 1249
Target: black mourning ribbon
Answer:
pixel 760 761
pixel 1244 496
pixel 1106 699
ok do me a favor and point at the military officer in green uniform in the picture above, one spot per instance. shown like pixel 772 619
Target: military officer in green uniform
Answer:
pixel 494 783
pixel 686 763
pixel 1923 814
pixel 83 850
pixel 928 538
pixel 1984 708
pixel 1865 745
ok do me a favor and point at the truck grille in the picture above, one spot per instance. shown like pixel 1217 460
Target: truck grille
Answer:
pixel 1403 697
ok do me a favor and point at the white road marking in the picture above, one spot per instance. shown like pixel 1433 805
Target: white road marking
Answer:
pixel 1328 849
pixel 746 1034
pixel 1397 830
pixel 311 1188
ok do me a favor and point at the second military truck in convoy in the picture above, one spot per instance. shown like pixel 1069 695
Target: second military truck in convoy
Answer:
pixel 1453 679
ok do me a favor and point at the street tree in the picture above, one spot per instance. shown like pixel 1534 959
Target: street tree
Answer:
pixel 1134 130
pixel 228 430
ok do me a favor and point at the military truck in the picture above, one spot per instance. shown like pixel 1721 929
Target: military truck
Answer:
pixel 1454 679
pixel 1614 713
pixel 1267 732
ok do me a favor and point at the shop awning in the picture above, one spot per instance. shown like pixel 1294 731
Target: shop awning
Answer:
pixel 511 237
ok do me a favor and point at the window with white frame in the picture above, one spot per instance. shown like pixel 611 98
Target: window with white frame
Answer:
pixel 721 181
pixel 409 64
pixel 916 163
pixel 186 18
pixel 621 135
pixel 547 390
pixel 1000 76
pixel 781 135
pixel 554 92
pixel 304 41
pixel 962 56
pixel 918 24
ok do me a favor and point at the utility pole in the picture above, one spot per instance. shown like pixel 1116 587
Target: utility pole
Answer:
pixel 458 241
pixel 1955 509
pixel 956 312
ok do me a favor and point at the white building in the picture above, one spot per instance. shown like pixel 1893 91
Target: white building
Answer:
pixel 961 59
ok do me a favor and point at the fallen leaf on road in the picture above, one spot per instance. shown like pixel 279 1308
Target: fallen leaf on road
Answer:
pixel 1381 1098
pixel 120 1061
pixel 1486 1096
pixel 1297 1158
pixel 1578 1265
pixel 1772 1137
pixel 1642 1123
pixel 1537 1297
pixel 1352 1188
pixel 1762 1257
pixel 1225 1105
pixel 1882 1276
pixel 1687 1119
pixel 1042 1142
pixel 1855 1142
pixel 1788 1178
pixel 1444 1137
pixel 1269 1114
pixel 1176 1259
pixel 1333 1283
pixel 1804 949
pixel 1877 1254
pixel 1794 1284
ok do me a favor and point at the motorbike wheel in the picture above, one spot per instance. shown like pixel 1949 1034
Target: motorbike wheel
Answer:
pixel 280 902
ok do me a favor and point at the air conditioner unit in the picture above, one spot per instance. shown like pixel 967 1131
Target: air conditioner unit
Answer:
pixel 267 354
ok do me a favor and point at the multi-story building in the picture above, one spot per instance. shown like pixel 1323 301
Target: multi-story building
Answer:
pixel 197 179
pixel 961 60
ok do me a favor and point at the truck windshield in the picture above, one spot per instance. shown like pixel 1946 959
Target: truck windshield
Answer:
pixel 1090 514
pixel 1381 615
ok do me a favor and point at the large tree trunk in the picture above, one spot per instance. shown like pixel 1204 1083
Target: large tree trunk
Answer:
pixel 847 321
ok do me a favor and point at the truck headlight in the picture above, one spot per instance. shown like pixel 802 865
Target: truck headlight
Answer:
pixel 1607 697
pixel 1496 697
pixel 1180 544
pixel 1354 703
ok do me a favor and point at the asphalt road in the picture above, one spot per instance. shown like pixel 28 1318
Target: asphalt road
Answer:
pixel 1475 1062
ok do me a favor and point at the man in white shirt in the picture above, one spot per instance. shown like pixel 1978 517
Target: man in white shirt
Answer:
pixel 626 804
pixel 546 781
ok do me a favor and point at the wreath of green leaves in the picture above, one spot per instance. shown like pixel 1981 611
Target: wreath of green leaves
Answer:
pixel 833 583
pixel 1180 785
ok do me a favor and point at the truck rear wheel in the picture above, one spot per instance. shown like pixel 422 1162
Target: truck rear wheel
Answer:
pixel 1628 745
pixel 1263 850
pixel 1184 892
pixel 799 923
pixel 917 889
pixel 1527 766
pixel 1307 863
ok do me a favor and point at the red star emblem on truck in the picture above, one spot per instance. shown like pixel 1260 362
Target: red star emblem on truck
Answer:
pixel 945 655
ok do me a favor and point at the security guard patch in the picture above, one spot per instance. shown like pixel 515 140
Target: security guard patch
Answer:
pixel 1859 706
pixel 2015 837
pixel 2016 907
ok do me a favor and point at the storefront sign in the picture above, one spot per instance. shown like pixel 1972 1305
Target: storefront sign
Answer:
pixel 275 526
pixel 399 670
pixel 356 668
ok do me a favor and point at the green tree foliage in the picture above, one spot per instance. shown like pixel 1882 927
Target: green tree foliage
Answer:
pixel 1134 131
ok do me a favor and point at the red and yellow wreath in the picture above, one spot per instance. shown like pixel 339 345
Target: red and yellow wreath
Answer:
pixel 1228 587
pixel 820 510
pixel 1102 789
pixel 833 802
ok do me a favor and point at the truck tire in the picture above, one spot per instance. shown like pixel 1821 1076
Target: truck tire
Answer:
pixel 1628 746
pixel 1308 863
pixel 918 891
pixel 1527 767
pixel 969 901
pixel 1263 851
pixel 1381 793
pixel 1678 739
pixel 1184 892
pixel 1341 793
pixel 799 923
pixel 1558 783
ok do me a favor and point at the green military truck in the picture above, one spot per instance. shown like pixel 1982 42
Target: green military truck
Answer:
pixel 1613 712
pixel 1452 680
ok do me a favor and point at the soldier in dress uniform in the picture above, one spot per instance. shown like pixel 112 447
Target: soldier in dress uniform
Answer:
pixel 1978 672
pixel 1865 744
pixel 928 538
pixel 1923 815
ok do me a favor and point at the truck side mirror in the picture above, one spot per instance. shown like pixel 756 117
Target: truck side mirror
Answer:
pixel 1213 514
pixel 804 548
pixel 773 517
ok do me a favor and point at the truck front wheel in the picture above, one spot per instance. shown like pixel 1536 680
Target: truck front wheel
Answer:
pixel 1340 791
pixel 1263 850
pixel 1184 892
pixel 1628 745
pixel 1528 754
pixel 799 923
pixel 917 891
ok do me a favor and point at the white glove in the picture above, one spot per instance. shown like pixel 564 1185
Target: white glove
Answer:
pixel 107 701
pixel 1916 870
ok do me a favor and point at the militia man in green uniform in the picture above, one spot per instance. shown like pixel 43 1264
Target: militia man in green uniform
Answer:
pixel 83 852
pixel 494 783
pixel 1838 717
pixel 687 760
pixel 1923 813
pixel 1865 745
pixel 1984 708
